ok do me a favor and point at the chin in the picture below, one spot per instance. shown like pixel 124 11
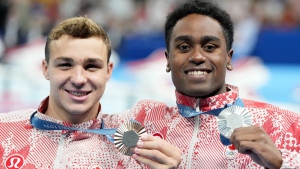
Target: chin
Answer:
pixel 77 111
pixel 198 93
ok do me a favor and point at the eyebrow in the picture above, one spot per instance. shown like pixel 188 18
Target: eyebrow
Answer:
pixel 183 38
pixel 66 59
pixel 203 39
pixel 88 60
pixel 91 60
pixel 206 39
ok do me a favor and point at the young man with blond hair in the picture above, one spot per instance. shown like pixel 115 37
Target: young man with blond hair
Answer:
pixel 60 134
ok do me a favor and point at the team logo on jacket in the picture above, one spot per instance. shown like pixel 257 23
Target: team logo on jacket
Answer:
pixel 15 161
pixel 230 152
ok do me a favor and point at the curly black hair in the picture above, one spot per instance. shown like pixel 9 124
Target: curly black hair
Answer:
pixel 204 8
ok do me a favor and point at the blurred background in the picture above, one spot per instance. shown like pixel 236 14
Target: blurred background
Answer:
pixel 266 59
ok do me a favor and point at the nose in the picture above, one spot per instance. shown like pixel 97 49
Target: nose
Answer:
pixel 197 57
pixel 78 77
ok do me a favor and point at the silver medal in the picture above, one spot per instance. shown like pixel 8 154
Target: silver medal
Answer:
pixel 231 118
pixel 127 136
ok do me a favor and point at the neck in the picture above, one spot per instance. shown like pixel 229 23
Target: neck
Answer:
pixel 71 117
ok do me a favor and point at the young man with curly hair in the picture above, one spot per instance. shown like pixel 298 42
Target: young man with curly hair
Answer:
pixel 211 124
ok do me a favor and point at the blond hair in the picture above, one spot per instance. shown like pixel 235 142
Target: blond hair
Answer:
pixel 78 27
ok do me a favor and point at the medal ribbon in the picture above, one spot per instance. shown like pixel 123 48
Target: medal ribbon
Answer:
pixel 186 111
pixel 48 125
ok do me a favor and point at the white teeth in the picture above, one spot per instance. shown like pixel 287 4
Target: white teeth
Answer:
pixel 78 94
pixel 197 73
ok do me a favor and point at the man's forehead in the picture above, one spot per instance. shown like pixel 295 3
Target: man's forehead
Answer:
pixel 91 49
pixel 196 24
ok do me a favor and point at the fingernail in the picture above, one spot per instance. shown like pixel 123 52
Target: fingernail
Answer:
pixel 143 137
pixel 136 150
pixel 139 144
pixel 134 156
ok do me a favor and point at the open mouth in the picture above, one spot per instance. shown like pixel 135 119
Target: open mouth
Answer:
pixel 197 72
pixel 78 94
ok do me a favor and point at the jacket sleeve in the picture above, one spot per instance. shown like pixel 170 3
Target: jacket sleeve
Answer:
pixel 134 113
pixel 290 147
pixel 290 159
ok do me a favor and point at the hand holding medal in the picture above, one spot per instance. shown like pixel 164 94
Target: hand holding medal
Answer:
pixel 231 118
pixel 127 136
pixel 235 123
pixel 153 151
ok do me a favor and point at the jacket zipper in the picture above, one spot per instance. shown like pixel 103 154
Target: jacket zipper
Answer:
pixel 59 151
pixel 193 141
pixel 194 138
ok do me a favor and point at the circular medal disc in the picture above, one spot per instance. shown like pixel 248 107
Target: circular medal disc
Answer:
pixel 127 135
pixel 231 118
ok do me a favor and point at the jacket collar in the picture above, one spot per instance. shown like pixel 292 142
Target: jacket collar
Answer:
pixel 209 103
pixel 91 124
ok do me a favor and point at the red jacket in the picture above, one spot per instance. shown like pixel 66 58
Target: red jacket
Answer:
pixel 23 146
pixel 199 137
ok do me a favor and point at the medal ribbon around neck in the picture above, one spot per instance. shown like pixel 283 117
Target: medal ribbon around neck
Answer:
pixel 125 137
pixel 48 125
pixel 236 110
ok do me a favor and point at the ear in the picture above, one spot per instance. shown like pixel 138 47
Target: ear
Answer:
pixel 45 69
pixel 168 67
pixel 166 54
pixel 110 66
pixel 229 58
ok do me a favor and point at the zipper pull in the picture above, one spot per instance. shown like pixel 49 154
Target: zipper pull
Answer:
pixel 197 106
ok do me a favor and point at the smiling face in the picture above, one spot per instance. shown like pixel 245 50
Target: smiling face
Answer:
pixel 78 72
pixel 198 57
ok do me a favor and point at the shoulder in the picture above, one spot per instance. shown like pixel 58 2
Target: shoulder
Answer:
pixel 15 116
pixel 273 119
pixel 149 104
pixel 257 107
pixel 140 111
pixel 152 110
pixel 143 106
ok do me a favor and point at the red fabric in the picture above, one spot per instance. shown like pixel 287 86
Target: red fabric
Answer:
pixel 22 145
pixel 199 137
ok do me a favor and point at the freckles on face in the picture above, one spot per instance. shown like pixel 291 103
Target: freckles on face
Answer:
pixel 198 56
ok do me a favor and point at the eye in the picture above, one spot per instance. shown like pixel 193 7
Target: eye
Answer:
pixel 64 65
pixel 209 48
pixel 184 47
pixel 92 66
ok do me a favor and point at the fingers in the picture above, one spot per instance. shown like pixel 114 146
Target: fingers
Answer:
pixel 157 153
pixel 255 142
pixel 242 138
pixel 249 138
pixel 153 163
pixel 156 143
pixel 247 147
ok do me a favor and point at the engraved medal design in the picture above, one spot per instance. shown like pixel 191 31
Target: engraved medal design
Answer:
pixel 127 135
pixel 233 117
